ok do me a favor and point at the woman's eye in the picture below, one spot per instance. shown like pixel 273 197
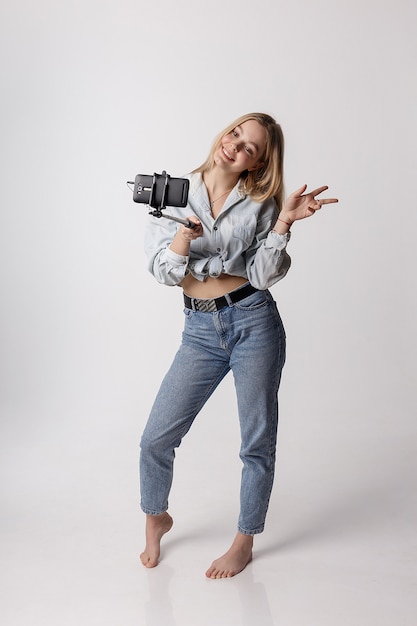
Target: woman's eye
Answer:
pixel 248 150
pixel 234 133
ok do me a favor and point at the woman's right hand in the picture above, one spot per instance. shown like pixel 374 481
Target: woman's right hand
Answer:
pixel 189 234
pixel 184 236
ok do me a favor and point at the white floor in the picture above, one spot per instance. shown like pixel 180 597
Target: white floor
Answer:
pixel 339 548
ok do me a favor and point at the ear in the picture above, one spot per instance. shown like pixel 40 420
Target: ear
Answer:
pixel 256 167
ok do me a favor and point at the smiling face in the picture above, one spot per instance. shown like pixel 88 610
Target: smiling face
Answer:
pixel 242 148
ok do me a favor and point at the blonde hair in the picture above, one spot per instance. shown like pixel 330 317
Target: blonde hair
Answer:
pixel 267 181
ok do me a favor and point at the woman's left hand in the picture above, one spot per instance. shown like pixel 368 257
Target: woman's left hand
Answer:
pixel 300 205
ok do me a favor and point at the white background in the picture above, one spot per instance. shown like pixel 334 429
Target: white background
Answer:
pixel 94 92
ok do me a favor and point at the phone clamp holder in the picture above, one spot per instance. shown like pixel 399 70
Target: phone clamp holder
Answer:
pixel 157 205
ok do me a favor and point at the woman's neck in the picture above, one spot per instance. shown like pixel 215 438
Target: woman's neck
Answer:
pixel 217 184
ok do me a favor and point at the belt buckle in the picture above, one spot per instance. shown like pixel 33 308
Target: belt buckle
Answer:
pixel 205 306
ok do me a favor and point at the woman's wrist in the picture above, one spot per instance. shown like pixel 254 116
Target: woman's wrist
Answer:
pixel 282 225
pixel 180 244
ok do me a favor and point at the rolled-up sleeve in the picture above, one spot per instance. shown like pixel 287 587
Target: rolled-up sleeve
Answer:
pixel 168 267
pixel 269 262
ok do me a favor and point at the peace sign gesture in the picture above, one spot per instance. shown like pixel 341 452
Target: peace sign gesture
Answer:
pixel 300 205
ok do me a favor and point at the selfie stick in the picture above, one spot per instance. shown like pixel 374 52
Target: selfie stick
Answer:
pixel 157 208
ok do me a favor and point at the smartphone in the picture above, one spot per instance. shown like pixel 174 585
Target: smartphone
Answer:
pixel 161 190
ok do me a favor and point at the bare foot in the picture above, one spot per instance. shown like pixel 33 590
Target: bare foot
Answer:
pixel 156 527
pixel 235 559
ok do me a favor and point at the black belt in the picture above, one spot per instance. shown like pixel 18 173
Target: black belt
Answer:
pixel 214 304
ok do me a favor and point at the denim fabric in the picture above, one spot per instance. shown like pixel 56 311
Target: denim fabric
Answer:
pixel 248 338
pixel 239 241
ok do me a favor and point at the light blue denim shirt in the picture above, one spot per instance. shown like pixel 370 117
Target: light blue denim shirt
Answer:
pixel 238 242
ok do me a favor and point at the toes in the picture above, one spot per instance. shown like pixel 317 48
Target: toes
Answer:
pixel 147 561
pixel 216 574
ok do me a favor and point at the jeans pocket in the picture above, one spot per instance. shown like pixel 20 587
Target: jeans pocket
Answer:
pixel 256 300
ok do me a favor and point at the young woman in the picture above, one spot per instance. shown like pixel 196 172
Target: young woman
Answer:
pixel 225 265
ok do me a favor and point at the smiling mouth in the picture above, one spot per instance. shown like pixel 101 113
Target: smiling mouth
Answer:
pixel 227 154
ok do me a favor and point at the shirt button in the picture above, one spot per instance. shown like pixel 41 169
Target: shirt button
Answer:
pixel 214 227
pixel 214 274
pixel 218 249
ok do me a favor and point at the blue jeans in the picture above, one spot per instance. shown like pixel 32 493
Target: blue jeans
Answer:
pixel 248 338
